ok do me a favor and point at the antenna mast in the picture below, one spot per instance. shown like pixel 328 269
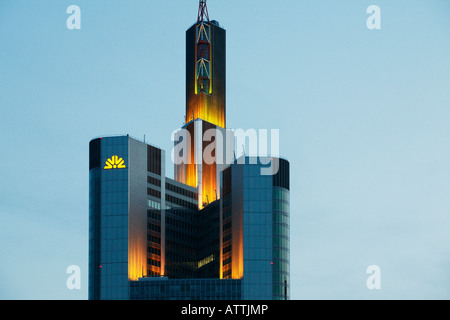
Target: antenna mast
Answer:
pixel 202 12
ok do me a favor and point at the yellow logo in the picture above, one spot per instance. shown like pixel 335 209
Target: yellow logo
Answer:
pixel 115 163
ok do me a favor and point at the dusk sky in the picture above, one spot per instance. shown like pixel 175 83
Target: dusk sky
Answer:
pixel 363 114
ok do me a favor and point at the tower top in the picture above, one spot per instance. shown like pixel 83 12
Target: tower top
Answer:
pixel 202 12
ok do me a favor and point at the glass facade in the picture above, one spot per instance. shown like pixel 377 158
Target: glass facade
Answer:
pixel 109 222
pixel 255 229
pixel 257 234
pixel 192 242
pixel 94 232
pixel 119 248
pixel 280 242
pixel 148 240
pixel 185 289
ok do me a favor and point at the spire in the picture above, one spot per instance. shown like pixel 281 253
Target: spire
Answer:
pixel 202 12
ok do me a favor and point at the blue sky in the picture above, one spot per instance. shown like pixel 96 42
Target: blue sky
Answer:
pixel 364 119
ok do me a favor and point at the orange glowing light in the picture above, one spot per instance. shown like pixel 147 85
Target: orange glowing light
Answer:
pixel 203 107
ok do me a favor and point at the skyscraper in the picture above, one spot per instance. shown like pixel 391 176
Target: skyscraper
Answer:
pixel 255 229
pixel 218 230
pixel 205 104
